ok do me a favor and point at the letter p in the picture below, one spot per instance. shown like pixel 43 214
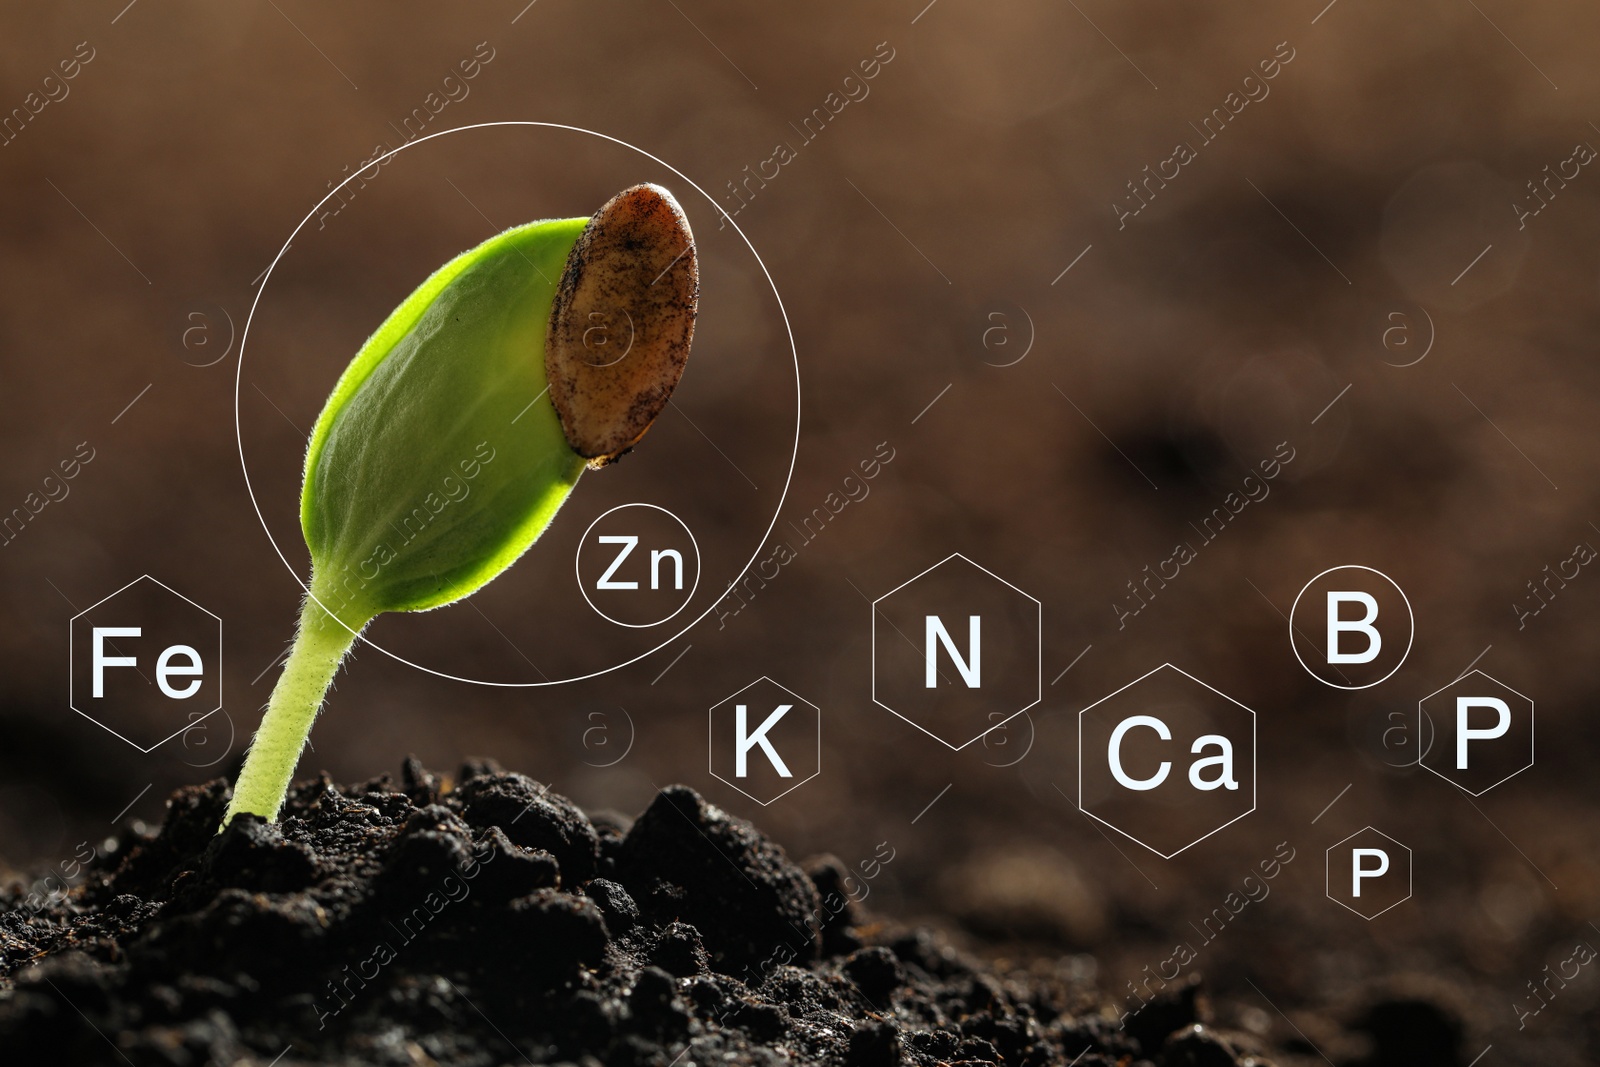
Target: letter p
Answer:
pixel 1465 733
pixel 1358 872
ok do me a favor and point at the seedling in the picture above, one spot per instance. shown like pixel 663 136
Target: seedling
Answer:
pixel 439 460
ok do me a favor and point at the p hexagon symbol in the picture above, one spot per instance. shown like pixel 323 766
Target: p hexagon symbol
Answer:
pixel 765 741
pixel 956 651
pixel 145 663
pixel 1167 761
pixel 1369 872
pixel 1482 732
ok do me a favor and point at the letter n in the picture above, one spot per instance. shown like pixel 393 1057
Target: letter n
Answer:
pixel 968 666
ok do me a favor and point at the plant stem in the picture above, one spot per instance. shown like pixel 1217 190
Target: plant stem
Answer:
pixel 320 646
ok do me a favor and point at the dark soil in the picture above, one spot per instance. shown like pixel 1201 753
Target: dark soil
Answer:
pixel 492 922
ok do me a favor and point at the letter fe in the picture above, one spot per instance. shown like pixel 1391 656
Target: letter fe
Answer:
pixel 188 667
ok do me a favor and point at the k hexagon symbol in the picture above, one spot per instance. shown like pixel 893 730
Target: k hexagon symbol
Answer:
pixel 765 741
pixel 1167 760
pixel 956 651
pixel 145 663
pixel 1482 732
pixel 1369 872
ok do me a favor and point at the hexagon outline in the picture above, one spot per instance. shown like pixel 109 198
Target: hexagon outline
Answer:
pixel 72 682
pixel 1327 874
pixel 711 740
pixel 1038 632
pixel 1532 733
pixel 1214 689
pixel 1411 615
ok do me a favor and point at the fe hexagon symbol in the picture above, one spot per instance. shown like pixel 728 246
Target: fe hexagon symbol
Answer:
pixel 1482 732
pixel 1369 872
pixel 765 741
pixel 956 651
pixel 1167 760
pixel 145 663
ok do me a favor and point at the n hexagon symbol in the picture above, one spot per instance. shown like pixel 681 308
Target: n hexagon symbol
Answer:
pixel 956 651
pixel 765 741
pixel 145 663
pixel 1167 760
pixel 1369 872
pixel 1482 732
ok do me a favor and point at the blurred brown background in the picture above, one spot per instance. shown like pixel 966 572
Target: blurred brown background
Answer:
pixel 1322 239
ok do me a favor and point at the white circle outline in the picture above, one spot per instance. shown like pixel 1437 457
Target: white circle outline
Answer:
pixel 1411 616
pixel 238 380
pixel 585 540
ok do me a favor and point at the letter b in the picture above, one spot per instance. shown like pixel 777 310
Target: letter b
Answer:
pixel 1338 626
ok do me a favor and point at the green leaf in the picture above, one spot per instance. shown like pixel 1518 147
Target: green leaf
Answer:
pixel 439 459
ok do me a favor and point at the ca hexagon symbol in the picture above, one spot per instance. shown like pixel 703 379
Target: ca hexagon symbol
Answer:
pixel 1482 732
pixel 145 663
pixel 956 651
pixel 765 741
pixel 1369 872
pixel 1167 760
